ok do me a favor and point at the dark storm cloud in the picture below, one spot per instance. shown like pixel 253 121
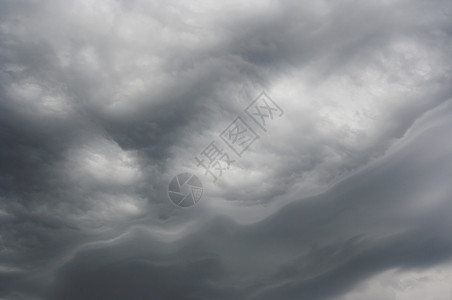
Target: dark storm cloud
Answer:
pixel 317 249
pixel 103 102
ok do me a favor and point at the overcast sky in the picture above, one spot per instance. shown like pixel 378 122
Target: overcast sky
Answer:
pixel 345 193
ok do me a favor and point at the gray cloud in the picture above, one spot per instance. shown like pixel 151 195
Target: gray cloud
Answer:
pixel 103 103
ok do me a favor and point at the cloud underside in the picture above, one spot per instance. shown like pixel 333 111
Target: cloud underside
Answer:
pixel 345 195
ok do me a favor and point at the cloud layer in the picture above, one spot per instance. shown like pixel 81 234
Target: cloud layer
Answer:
pixel 345 196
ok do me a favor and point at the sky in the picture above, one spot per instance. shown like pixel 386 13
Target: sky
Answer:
pixel 338 186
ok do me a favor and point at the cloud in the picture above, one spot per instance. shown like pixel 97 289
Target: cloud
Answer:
pixel 102 103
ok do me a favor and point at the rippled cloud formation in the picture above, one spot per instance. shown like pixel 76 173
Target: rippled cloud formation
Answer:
pixel 344 193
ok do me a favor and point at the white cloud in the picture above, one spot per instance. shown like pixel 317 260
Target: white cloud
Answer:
pixel 432 283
